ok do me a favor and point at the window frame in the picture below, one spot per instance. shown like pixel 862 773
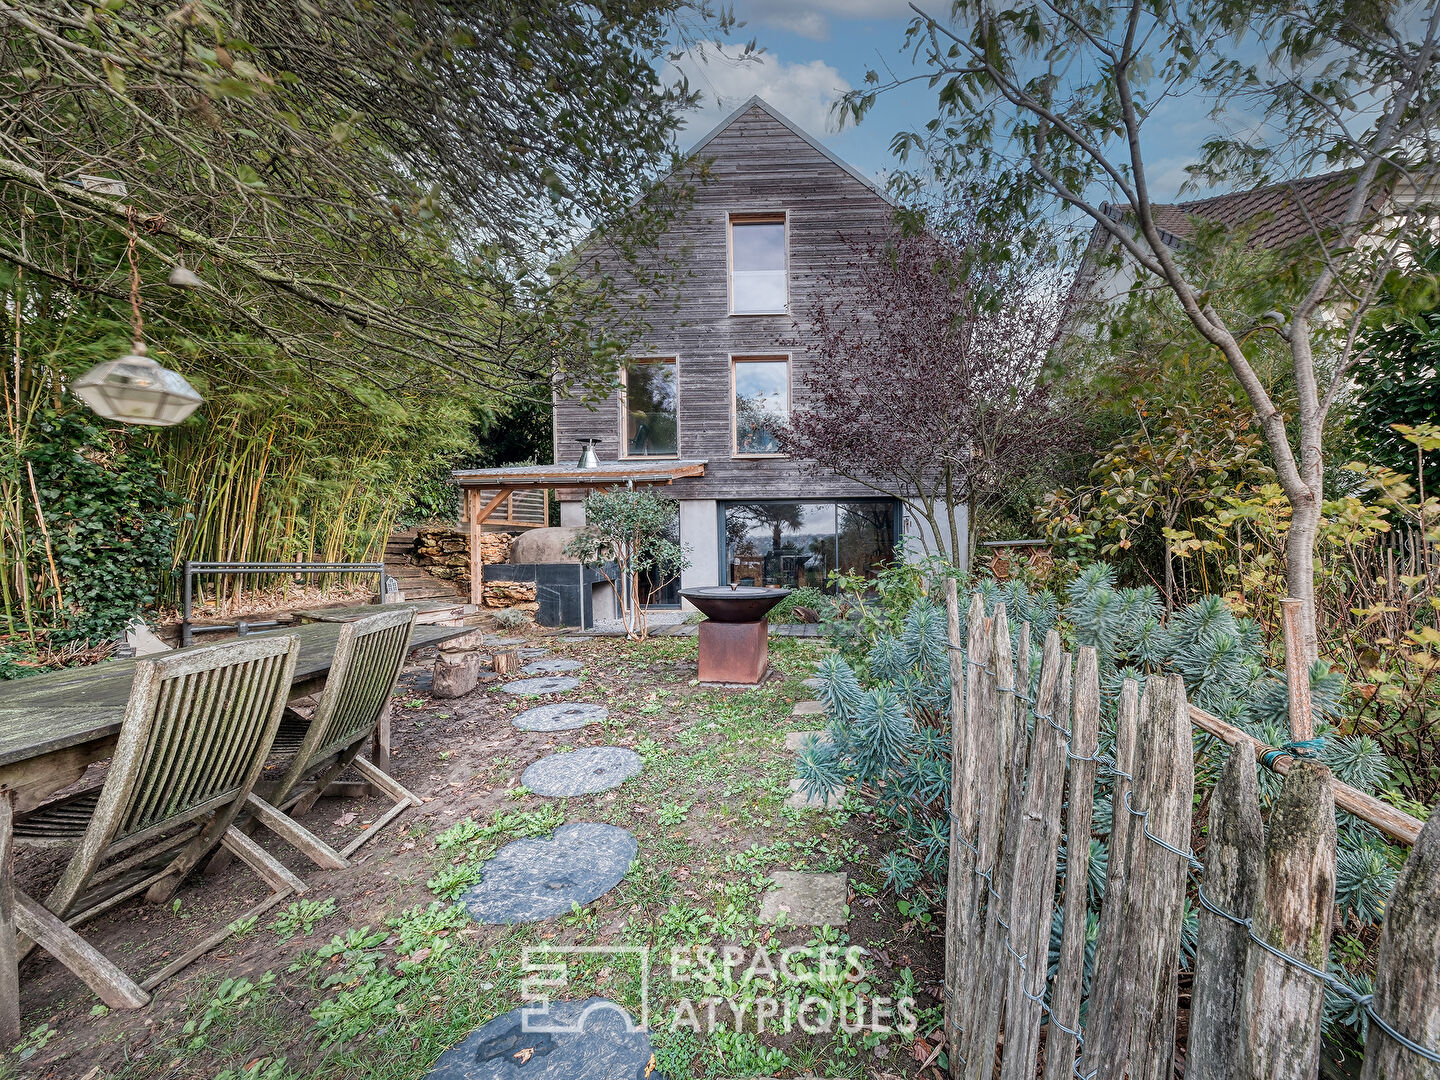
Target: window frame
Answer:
pixel 655 358
pixel 737 359
pixel 722 506
pixel 754 217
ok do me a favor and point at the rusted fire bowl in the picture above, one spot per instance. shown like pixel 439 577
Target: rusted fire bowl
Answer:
pixel 747 603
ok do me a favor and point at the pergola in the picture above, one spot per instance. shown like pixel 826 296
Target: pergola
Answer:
pixel 483 491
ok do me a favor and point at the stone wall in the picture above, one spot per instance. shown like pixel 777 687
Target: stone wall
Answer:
pixel 446 554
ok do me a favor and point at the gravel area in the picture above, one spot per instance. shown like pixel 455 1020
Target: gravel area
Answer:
pixel 656 619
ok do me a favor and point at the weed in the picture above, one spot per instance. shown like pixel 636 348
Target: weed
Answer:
pixel 244 926
pixel 675 813
pixel 450 881
pixel 259 1069
pixel 301 917
pixel 231 997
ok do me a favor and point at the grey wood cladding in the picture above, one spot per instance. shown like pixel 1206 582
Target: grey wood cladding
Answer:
pixel 756 163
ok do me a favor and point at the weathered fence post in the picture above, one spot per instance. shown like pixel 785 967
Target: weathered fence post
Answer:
pixel 1029 911
pixel 1407 981
pixel 961 890
pixel 1156 899
pixel 1233 849
pixel 995 960
pixel 1294 914
pixel 1107 1031
pixel 1070 972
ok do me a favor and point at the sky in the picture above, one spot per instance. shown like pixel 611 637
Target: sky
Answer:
pixel 815 50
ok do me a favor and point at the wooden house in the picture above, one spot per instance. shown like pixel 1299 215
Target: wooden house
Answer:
pixel 762 239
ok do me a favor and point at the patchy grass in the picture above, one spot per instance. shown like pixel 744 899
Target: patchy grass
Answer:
pixel 377 971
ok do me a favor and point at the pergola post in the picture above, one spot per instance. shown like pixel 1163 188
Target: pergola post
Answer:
pixel 477 527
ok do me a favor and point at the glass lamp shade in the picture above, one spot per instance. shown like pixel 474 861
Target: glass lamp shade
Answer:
pixel 137 390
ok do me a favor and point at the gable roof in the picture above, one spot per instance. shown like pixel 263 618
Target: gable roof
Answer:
pixel 757 102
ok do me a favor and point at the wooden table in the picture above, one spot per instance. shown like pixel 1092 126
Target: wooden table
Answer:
pixel 52 726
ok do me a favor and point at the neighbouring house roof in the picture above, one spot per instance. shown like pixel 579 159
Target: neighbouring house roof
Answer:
pixel 609 473
pixel 1271 217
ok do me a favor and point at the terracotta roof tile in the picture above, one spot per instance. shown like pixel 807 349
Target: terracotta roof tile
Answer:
pixel 1273 216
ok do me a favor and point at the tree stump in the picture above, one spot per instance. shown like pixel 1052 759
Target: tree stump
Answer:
pixel 506 663
pixel 456 674
pixel 471 642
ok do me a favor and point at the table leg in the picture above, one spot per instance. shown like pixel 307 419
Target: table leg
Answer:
pixel 9 947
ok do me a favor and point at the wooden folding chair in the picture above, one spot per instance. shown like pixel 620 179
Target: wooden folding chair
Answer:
pixel 352 710
pixel 197 729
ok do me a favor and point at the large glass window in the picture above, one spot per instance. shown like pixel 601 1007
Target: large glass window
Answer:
pixel 762 402
pixel 651 408
pixel 757 265
pixel 792 544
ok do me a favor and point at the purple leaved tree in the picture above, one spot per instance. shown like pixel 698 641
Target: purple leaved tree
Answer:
pixel 924 378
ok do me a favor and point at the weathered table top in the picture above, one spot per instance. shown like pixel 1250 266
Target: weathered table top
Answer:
pixel 47 713
pixel 352 612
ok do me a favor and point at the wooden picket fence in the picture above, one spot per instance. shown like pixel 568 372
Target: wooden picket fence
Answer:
pixel 1025 772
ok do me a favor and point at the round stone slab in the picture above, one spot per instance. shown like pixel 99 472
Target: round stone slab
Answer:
pixel 557 684
pixel 531 654
pixel 551 667
pixel 581 772
pixel 561 717
pixel 531 880
pixel 592 1039
pixel 504 642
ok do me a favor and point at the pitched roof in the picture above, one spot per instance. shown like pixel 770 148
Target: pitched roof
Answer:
pixel 1274 216
pixel 757 102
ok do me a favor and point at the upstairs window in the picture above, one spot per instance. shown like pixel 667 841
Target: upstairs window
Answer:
pixel 762 403
pixel 651 408
pixel 757 265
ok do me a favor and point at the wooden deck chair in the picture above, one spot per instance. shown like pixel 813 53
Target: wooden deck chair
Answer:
pixel 197 729
pixel 355 701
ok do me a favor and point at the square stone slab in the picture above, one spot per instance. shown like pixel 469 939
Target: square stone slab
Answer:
pixel 808 708
pixel 800 801
pixel 794 740
pixel 806 899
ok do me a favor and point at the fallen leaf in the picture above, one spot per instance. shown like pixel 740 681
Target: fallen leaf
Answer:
pixel 921 1050
pixel 650 1065
pixel 527 1053
pixel 345 819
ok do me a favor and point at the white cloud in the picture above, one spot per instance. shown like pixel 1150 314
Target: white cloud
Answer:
pixel 811 18
pixel 801 92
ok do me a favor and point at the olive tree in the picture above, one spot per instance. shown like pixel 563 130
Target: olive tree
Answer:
pixel 629 532
pixel 1056 94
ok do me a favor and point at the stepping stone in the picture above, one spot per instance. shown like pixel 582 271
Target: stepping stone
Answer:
pixel 808 708
pixel 794 740
pixel 546 684
pixel 561 717
pixel 531 880
pixel 800 801
pixel 812 684
pixel 551 667
pixel 581 772
pixel 591 1039
pixel 504 642
pixel 806 899
pixel 531 654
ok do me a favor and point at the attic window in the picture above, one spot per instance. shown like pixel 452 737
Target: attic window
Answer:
pixel 758 283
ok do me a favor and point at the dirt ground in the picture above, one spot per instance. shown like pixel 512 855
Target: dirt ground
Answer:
pixel 373 973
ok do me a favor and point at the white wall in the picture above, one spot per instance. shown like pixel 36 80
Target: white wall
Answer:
pixel 917 528
pixel 572 514
pixel 700 537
